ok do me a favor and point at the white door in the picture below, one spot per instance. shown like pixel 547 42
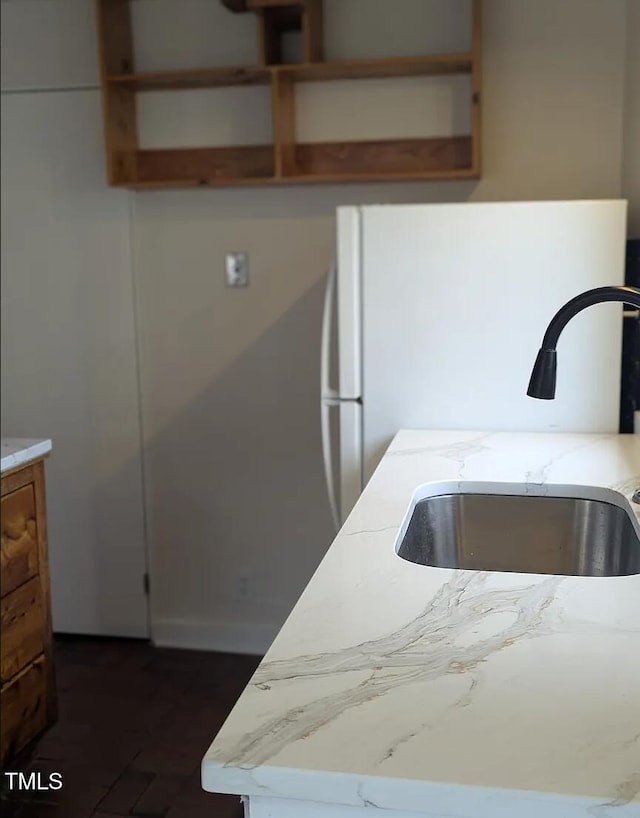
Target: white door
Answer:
pixel 69 355
pixel 455 302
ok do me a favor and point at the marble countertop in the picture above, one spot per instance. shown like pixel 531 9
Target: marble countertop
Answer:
pixel 448 692
pixel 19 450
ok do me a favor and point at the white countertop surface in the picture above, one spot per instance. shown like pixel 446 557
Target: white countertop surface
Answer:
pixel 448 692
pixel 19 450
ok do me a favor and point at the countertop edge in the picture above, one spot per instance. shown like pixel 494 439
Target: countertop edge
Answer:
pixel 405 795
pixel 32 450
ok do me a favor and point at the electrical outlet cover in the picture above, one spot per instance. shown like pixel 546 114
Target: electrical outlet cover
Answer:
pixel 237 269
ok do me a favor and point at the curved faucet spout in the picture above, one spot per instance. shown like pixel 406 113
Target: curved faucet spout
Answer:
pixel 543 377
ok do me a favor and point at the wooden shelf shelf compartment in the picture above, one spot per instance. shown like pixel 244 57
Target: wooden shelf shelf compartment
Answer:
pixel 388 67
pixel 285 161
pixel 303 72
pixel 336 162
pixel 393 158
pixel 198 78
pixel 243 164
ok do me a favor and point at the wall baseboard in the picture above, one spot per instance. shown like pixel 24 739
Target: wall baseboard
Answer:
pixel 225 637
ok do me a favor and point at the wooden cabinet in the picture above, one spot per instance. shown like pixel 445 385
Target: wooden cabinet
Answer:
pixel 19 538
pixel 28 701
pixel 286 160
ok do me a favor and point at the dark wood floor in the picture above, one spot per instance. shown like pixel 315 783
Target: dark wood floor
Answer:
pixel 134 723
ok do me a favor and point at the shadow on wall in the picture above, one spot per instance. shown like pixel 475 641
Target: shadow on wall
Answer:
pixel 237 509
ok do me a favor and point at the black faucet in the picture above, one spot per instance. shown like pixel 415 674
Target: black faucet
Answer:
pixel 543 378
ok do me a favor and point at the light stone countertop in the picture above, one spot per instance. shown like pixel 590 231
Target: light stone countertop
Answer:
pixel 448 692
pixel 19 450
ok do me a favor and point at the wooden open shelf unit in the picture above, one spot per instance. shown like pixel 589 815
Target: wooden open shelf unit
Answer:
pixel 285 160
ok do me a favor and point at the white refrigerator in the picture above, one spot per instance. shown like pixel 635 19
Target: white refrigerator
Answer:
pixel 434 314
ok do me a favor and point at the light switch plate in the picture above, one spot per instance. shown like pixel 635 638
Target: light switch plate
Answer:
pixel 237 269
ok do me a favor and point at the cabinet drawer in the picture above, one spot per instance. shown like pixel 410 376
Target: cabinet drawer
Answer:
pixel 19 539
pixel 23 624
pixel 23 708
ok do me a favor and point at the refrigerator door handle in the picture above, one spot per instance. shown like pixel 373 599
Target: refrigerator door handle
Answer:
pixel 327 457
pixel 325 343
pixel 328 397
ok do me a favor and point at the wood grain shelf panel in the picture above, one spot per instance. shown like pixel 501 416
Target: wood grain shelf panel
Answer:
pixel 369 69
pixel 115 42
pixel 239 6
pixel 165 184
pixel 476 83
pixel 205 166
pixel 284 127
pixel 197 78
pixel 379 176
pixel 404 157
pixel 306 179
pixel 303 72
pixel 337 162
pixel 261 4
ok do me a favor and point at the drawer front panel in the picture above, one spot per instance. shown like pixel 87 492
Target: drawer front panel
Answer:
pixel 19 539
pixel 22 619
pixel 23 709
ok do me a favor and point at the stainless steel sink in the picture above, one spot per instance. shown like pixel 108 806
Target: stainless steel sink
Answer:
pixel 488 529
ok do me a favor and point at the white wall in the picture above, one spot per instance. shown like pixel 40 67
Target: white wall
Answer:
pixel 553 90
pixel 235 492
pixel 48 44
pixel 68 338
